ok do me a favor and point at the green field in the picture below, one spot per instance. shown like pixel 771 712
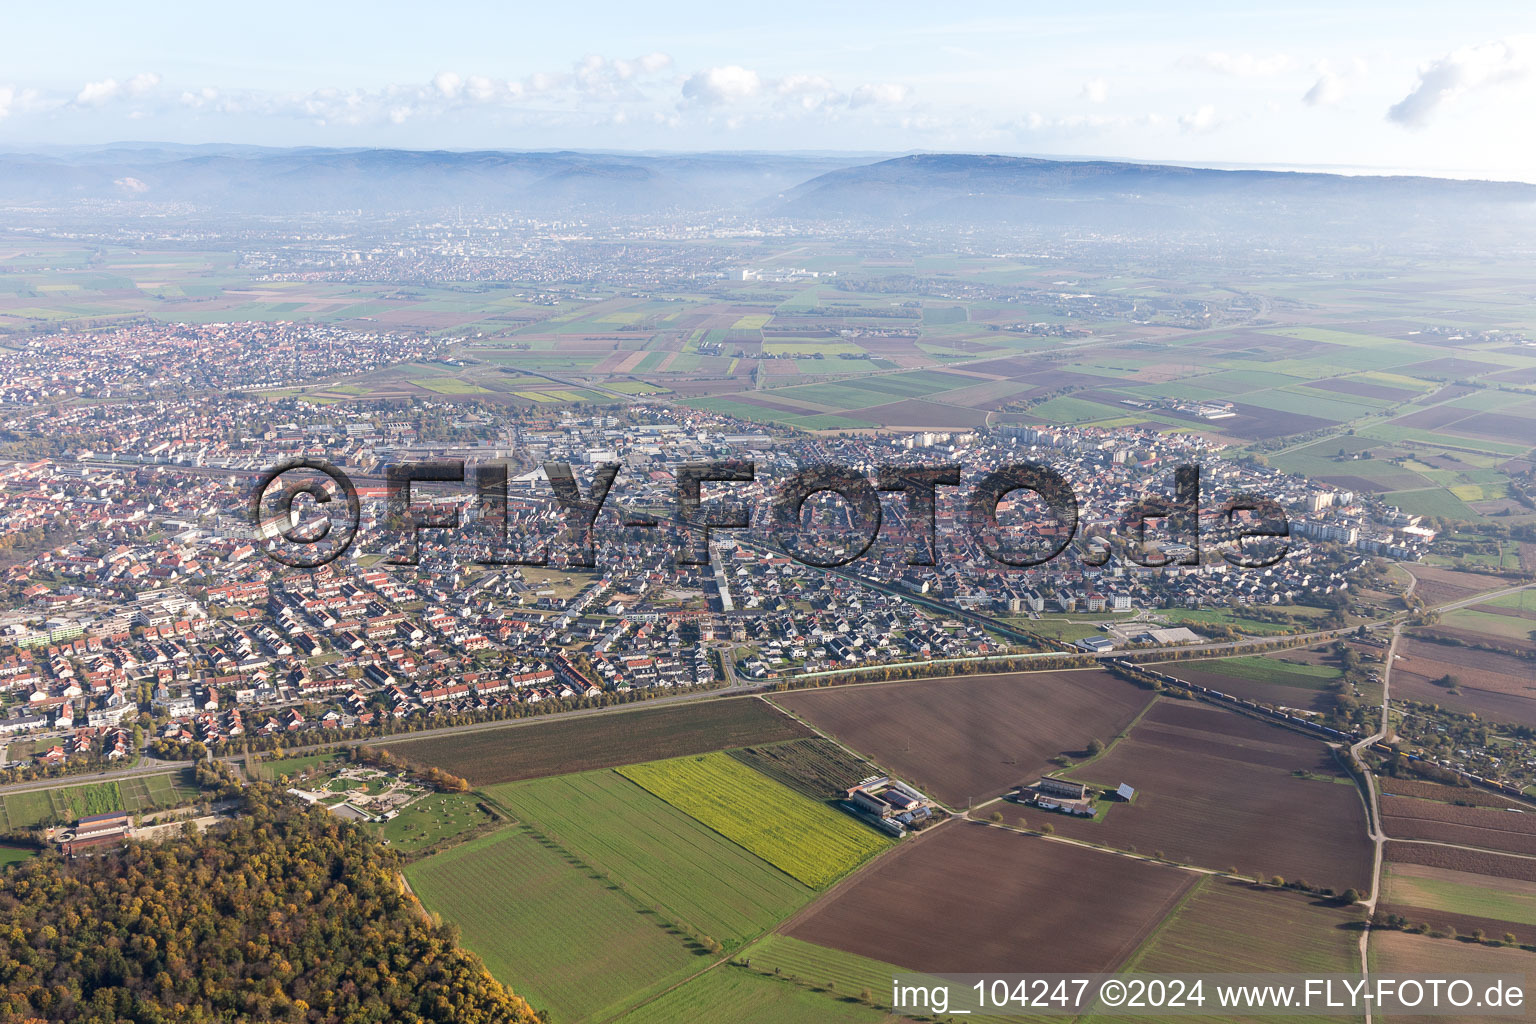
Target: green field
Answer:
pixel 294 766
pixel 1195 617
pixel 566 940
pixel 1509 626
pixel 695 877
pixel 817 967
pixel 1457 892
pixel 15 855
pixel 809 964
pixel 811 348
pixel 1215 929
pixel 735 995
pixel 451 386
pixel 804 839
pixel 1273 670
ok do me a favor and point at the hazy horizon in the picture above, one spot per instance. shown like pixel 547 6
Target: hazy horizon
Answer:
pixel 1421 90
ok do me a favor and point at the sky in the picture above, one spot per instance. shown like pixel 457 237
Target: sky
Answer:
pixel 1406 86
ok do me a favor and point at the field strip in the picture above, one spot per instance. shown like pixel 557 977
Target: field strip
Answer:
pixel 1085 844
pixel 830 891
pixel 1129 964
pixel 1465 846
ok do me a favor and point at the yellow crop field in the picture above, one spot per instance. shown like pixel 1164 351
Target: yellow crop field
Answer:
pixel 808 841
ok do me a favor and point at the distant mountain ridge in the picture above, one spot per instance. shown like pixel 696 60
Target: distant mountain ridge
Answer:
pixel 979 189
pixel 261 181
pixel 960 189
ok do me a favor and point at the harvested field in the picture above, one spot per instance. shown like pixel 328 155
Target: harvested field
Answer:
pixel 1447 922
pixel 1213 930
pixel 1398 953
pixel 1450 368
pixel 967 897
pixel 973 737
pixel 816 767
pixel 1477 862
pixel 1498 426
pixel 1255 421
pixel 560 746
pixel 1216 789
pixel 1443 793
pixel 1497 686
pixel 1439 586
pixel 1433 418
pixel 1484 827
pixel 1473 637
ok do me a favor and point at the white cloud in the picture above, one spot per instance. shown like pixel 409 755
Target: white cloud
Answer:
pixel 1325 92
pixel 1332 86
pixel 448 83
pixel 480 88
pixel 647 65
pixel 1457 73
pixel 94 94
pixel 133 185
pixel 7 97
pixel 1240 65
pixel 1096 90
pixel 141 83
pixel 886 94
pixel 729 84
pixel 807 91
pixel 1202 120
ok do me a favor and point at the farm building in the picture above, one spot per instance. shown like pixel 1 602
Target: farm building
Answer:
pixel 1058 795
pixel 893 805
pixel 1061 787
pixel 99 830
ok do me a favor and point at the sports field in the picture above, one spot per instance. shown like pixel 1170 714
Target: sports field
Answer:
pixel 806 840
pixel 64 804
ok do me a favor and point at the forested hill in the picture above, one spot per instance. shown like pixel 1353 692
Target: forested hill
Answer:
pixel 290 915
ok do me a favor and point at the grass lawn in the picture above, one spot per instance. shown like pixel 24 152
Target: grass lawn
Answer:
pixel 15 855
pixel 806 840
pixel 294 766
pixel 1272 670
pixel 665 859
pixel 1221 616
pixel 433 819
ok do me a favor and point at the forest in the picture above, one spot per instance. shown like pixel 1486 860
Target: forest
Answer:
pixel 286 914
